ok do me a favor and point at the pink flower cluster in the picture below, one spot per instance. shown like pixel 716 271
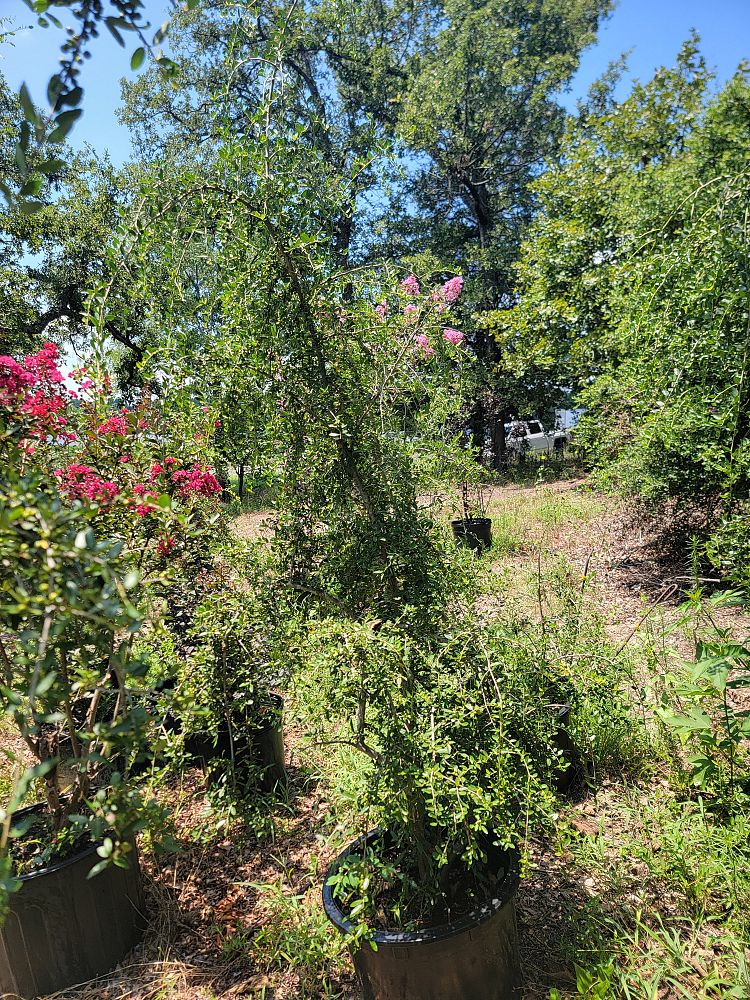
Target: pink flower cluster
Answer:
pixel 82 482
pixel 410 285
pixel 451 290
pixel 381 310
pixel 118 424
pixel 31 389
pixel 165 545
pixel 198 481
pixel 146 495
pixel 427 349
pixel 454 337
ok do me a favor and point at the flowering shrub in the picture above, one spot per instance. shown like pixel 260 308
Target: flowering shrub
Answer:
pixel 120 460
pixel 422 315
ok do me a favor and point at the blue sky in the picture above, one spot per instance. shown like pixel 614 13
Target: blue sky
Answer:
pixel 652 29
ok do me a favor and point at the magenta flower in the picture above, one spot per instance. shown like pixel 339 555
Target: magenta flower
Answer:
pixel 82 482
pixel 410 313
pixel 452 289
pixel 410 285
pixel 165 545
pixel 197 480
pixel 114 425
pixel 381 310
pixel 454 337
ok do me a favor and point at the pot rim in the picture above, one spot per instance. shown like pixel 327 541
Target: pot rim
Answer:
pixel 506 891
pixel 471 520
pixel 55 866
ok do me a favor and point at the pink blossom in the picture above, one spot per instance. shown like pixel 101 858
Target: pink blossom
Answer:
pixel 155 471
pixel 142 509
pixel 196 481
pixel 410 313
pixel 170 461
pixel 124 459
pixel 427 349
pixel 114 425
pixel 31 388
pixel 452 289
pixel 381 310
pixel 454 337
pixel 410 285
pixel 82 482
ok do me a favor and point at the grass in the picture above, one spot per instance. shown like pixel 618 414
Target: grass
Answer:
pixel 670 910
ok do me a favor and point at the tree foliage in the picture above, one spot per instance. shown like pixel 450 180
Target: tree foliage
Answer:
pixel 634 287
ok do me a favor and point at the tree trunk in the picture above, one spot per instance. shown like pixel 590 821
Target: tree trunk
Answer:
pixel 241 480
pixel 499 450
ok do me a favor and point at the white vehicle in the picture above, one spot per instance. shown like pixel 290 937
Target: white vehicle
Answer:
pixel 530 437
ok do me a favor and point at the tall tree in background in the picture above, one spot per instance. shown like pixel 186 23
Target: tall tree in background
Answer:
pixel 51 257
pixel 463 97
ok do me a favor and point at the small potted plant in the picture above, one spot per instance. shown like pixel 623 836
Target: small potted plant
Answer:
pixel 474 528
pixel 66 624
pixel 233 721
pixel 459 746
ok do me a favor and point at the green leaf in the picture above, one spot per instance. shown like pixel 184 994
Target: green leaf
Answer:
pixel 21 159
pixel 160 34
pixel 30 207
pixel 32 186
pixel 54 89
pixel 27 105
pixel 52 166
pixel 64 122
pixel 71 99
pixel 46 683
pixel 137 58
pixel 98 867
pixel 112 24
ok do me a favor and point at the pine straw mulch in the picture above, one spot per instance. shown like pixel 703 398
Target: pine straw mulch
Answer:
pixel 206 903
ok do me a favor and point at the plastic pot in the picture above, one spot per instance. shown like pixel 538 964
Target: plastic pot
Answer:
pixel 64 928
pixel 474 958
pixel 566 746
pixel 258 747
pixel 473 532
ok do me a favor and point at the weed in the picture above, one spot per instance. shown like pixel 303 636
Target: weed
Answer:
pixel 298 936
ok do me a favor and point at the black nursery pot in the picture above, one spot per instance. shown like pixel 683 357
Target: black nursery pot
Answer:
pixel 473 532
pixel 564 743
pixel 259 747
pixel 64 928
pixel 474 958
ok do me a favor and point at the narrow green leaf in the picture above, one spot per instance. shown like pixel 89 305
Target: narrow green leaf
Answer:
pixel 27 105
pixel 64 122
